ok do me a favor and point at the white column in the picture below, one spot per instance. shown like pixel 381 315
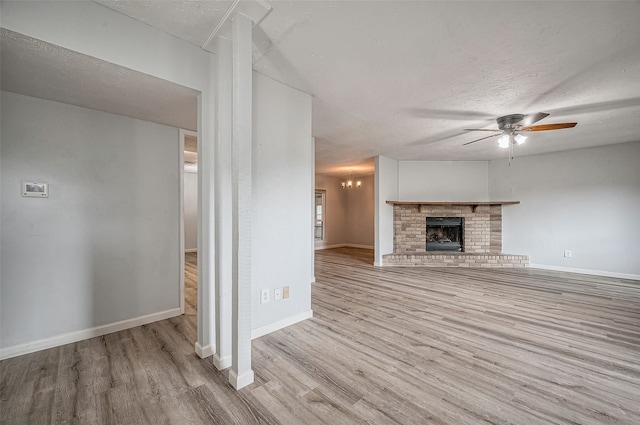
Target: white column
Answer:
pixel 241 373
pixel 204 346
pixel 312 277
pixel 223 202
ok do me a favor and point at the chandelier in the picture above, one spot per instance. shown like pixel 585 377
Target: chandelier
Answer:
pixel 349 184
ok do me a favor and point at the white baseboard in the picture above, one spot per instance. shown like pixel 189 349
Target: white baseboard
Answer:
pixel 191 250
pixel 221 362
pixel 343 245
pixel 586 271
pixel 272 327
pixel 242 380
pixel 70 337
pixel 338 245
pixel 203 351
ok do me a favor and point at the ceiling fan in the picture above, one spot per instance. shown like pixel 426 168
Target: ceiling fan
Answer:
pixel 510 127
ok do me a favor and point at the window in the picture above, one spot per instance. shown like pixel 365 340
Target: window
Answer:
pixel 319 215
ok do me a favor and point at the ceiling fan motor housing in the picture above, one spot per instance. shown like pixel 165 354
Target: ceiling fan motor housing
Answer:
pixel 509 121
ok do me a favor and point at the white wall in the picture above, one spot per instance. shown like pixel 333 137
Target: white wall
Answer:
pixel 92 29
pixel 190 212
pixel 386 189
pixel 335 211
pixel 422 181
pixel 282 202
pixel 443 181
pixel 104 247
pixel 586 201
pixel 349 213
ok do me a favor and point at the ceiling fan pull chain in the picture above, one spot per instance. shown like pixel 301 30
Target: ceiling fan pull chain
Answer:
pixel 510 151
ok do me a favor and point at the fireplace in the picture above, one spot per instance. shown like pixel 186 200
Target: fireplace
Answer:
pixel 474 229
pixel 445 234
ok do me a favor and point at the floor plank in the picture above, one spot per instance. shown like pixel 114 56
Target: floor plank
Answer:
pixel 385 346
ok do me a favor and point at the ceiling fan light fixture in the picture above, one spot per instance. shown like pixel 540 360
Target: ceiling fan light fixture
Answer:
pixel 520 138
pixel 503 141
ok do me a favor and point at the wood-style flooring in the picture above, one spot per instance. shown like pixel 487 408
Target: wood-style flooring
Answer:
pixel 385 346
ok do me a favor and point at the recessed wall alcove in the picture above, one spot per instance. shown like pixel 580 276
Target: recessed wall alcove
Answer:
pixel 482 235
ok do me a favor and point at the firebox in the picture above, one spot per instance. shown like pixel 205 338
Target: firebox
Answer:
pixel 445 234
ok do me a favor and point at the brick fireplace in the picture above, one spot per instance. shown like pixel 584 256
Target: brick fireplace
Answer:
pixel 482 235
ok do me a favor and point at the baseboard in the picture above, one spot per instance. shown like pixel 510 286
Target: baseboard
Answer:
pixel 272 327
pixel 354 245
pixel 70 337
pixel 204 351
pixel 586 271
pixel 242 380
pixel 221 362
pixel 191 250
pixel 343 245
pixel 337 245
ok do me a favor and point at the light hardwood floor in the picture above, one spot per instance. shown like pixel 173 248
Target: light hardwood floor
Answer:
pixel 385 346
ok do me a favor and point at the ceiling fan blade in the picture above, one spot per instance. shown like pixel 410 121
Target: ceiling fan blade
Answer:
pixel 479 129
pixel 488 137
pixel 545 127
pixel 531 118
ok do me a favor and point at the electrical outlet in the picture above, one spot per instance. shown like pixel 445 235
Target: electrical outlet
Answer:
pixel 285 292
pixel 568 253
pixel 277 294
pixel 264 296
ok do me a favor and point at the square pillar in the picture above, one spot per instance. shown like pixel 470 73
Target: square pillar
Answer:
pixel 241 373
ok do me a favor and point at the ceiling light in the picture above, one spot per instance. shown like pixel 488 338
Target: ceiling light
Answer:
pixel 349 183
pixel 503 141
pixel 520 138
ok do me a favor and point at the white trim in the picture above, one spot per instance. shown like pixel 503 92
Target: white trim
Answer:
pixel 338 245
pixel 255 11
pixel 343 245
pixel 70 337
pixel 586 271
pixel 203 352
pixel 242 380
pixel 182 264
pixel 312 230
pixel 191 250
pixel 221 362
pixel 182 134
pixel 272 327
pixel 375 263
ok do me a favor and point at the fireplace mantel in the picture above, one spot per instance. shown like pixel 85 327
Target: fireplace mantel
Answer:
pixel 473 204
pixel 481 237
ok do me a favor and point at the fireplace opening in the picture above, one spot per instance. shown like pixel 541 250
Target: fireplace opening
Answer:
pixel 445 234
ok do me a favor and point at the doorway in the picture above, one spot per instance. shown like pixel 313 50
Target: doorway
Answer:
pixel 189 224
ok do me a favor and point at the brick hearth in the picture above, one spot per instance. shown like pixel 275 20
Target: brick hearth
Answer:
pixel 482 236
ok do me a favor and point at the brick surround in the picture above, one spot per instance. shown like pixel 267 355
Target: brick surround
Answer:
pixel 482 233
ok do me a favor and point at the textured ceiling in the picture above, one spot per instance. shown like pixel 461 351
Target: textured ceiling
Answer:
pixel 35 68
pixel 403 79
pixel 189 20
